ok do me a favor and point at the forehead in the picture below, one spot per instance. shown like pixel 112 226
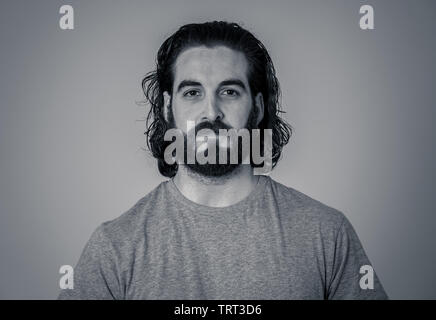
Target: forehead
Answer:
pixel 210 65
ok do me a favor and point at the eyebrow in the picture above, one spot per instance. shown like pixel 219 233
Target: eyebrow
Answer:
pixel 187 83
pixel 233 82
pixel 228 82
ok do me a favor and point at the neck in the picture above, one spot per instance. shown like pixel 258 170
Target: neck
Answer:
pixel 216 191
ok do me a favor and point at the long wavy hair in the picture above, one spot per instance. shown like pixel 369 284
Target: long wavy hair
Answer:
pixel 261 77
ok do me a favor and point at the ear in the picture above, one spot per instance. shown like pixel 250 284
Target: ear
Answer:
pixel 166 106
pixel 258 104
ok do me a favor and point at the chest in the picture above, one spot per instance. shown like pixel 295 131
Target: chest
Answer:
pixel 225 261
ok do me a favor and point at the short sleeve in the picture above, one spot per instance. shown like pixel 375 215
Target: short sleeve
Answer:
pixel 353 277
pixel 95 275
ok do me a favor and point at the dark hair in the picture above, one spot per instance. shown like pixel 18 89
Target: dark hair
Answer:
pixel 261 78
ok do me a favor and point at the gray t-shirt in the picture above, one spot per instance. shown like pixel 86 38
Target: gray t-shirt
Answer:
pixel 277 243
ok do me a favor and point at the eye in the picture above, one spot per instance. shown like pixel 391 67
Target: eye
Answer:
pixel 230 92
pixel 191 93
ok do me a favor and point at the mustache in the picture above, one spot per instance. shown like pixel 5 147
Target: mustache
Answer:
pixel 215 126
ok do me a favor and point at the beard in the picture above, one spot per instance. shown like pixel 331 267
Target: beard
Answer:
pixel 218 169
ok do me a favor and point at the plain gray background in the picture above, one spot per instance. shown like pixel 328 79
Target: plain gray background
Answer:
pixel 362 104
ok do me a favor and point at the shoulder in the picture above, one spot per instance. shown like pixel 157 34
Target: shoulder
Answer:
pixel 296 205
pixel 129 226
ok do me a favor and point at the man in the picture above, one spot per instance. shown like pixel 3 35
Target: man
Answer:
pixel 217 230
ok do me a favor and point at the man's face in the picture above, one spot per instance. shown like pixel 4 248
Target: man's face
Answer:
pixel 211 86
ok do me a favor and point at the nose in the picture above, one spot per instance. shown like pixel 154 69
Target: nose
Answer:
pixel 212 111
